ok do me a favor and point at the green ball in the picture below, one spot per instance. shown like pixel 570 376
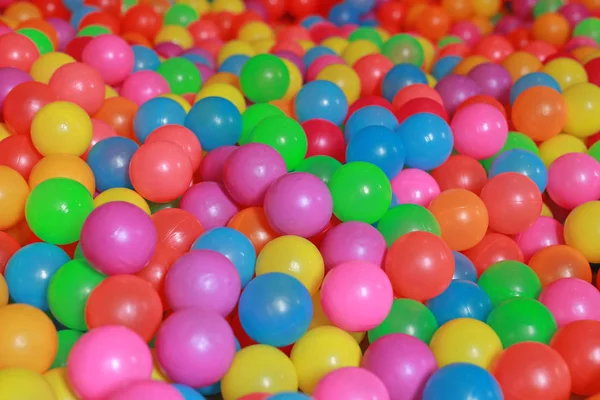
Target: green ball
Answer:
pixel 366 33
pixel 404 49
pixel 127 4
pixel 78 253
pixel 405 218
pixel 93 31
pixel 515 140
pixel 546 6
pixel 56 210
pixel 361 192
pixel 181 15
pixel 264 78
pixel 323 167
pixel 39 38
pixel 450 39
pixel 589 27
pixel 181 74
pixel 409 317
pixel 285 135
pixel 69 290
pixel 253 115
pixel 509 279
pixel 66 340
pixel 522 320
pixel 594 151
pixel 156 207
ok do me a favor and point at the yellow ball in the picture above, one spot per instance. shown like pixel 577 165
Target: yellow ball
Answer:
pixel 582 230
pixel 320 318
pixel 582 53
pixel 385 35
pixel 59 382
pixel 4 132
pixel 295 256
pixel 583 109
pixel 306 44
pixel 233 6
pixel 566 72
pixel 180 100
pixel 262 46
pixel 225 91
pixel 157 373
pixel 3 292
pixel 590 57
pixel 320 351
pixel 344 77
pixel 122 194
pixel 335 43
pixel 109 92
pixel 13 196
pixel 546 211
pixel 175 34
pixel 63 166
pixel 24 384
pixel 468 63
pixel 234 47
pixel 44 67
pixel 559 145
pixel 431 81
pixel 259 369
pixel 465 340
pixel 255 30
pixel 428 52
pixel 295 80
pixel 358 49
pixel 61 128
pixel 486 8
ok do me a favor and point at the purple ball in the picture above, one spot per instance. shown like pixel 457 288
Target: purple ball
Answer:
pixel 203 53
pixel 205 71
pixel 574 13
pixel 455 89
pixel 298 204
pixel 195 347
pixel 9 78
pixel 507 24
pixel 203 278
pixel 402 362
pixel 493 80
pixel 294 58
pixel 523 8
pixel 118 238
pixel 350 241
pixel 211 168
pixel 210 203
pixel 168 49
pixel 256 7
pixel 64 31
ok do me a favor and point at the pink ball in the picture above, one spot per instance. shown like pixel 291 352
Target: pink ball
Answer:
pixel 298 204
pixel 351 241
pixel 80 84
pixel 249 172
pixel 467 31
pixel 402 362
pixel 195 347
pixel 574 179
pixel 209 203
pixel 480 130
pixel 142 86
pixel 351 383
pixel 203 278
pixel 147 390
pixel 320 63
pixel 415 186
pixel 118 238
pixel 211 167
pixel 106 359
pixel 356 296
pixel 111 56
pixel 571 299
pixel 544 232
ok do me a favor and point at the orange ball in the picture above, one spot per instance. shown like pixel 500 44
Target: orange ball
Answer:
pixel 119 113
pixel 45 27
pixel 462 216
pixel 521 63
pixel 552 28
pixel 540 113
pixel 560 261
pixel 468 63
pixel 63 166
pixel 22 11
pixel 28 338
pixel 458 9
pixel 13 195
pixel 252 222
pixel 434 23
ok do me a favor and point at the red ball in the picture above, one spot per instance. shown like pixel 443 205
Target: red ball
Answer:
pixel 18 153
pixel 23 102
pixel 371 69
pixel 80 84
pixel 302 8
pixel 460 172
pixel 75 47
pixel 108 20
pixel 203 29
pixel 17 51
pixel 494 47
pixel 540 49
pixel 493 248
pixel 109 6
pixel 52 9
pixel 275 8
pixel 323 30
pixel 181 136
pixel 156 270
pixel 593 71
pixel 8 247
pixel 142 19
pixel 176 229
pixel 391 16
pixel 421 105
pixel 324 139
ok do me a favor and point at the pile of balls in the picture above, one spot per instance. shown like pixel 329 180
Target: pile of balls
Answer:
pixel 299 199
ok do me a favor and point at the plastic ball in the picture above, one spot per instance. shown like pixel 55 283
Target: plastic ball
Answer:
pixel 66 339
pixel 109 160
pixel 379 146
pixel 119 112
pixel 560 145
pixel 567 72
pixel 571 299
pixel 574 179
pixel 528 81
pixel 156 113
pixel 414 186
pixel 290 141
pixel 479 131
pixel 400 77
pixel 462 299
pixel 209 203
pixel 253 115
pixel 18 51
pixel 369 116
pixel 144 58
pixel 321 99
pixel 560 261
pixel 142 86
pixel 25 383
pixel 264 78
pixel 405 218
pixel 62 166
pixel 460 172
pixel 460 380
pixel 181 136
pixel 352 241
pixel 523 162
pixel 14 194
pixel 455 89
pixel 181 75
pixel 80 84
pixel 582 119
pixel 141 390
pixel 463 268
pixel 216 122
pixel 409 317
pixel 509 279
pixel 23 102
pixel 351 381
pixel 324 139
pixel 111 57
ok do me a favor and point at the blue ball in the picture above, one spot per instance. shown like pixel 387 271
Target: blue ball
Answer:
pixel 109 160
pixel 155 113
pixel 188 393
pixel 531 80
pixel 73 5
pixel 343 14
pixel 379 146
pixel 233 245
pixel 275 309
pixel 427 139
pixel 369 116
pixel 289 396
pixel 362 6
pixel 444 66
pixel 309 21
pixel 79 13
pixel 463 267
pixel 462 299
pixel 216 122
pixel 461 381
pixel 234 64
pixel 399 77
pixel 197 59
pixel 523 162
pixel 313 53
pixel 144 59
pixel 29 271
pixel 323 100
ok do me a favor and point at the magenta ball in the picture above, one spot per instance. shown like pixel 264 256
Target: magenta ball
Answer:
pixel 298 204
pixel 249 172
pixel 205 71
pixel 573 179
pixel 467 31
pixel 402 362
pixel 480 131
pixel 320 63
pixel 351 241
pixel 507 24
pixel 64 31
pixel 210 203
pixel 571 299
pixel 415 186
pixel 111 56
pixel 574 13
pixel 356 296
pixel 106 359
pixel 195 347
pixel 9 78
pixel 493 79
pixel 543 233
pixel 147 390
pixel 211 167
pixel 142 86
pixel 523 8
pixel 168 49
pixel 455 89
pixel 203 278
pixel 118 238
pixel 351 383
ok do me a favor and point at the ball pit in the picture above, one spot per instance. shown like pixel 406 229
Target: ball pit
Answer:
pixel 269 199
